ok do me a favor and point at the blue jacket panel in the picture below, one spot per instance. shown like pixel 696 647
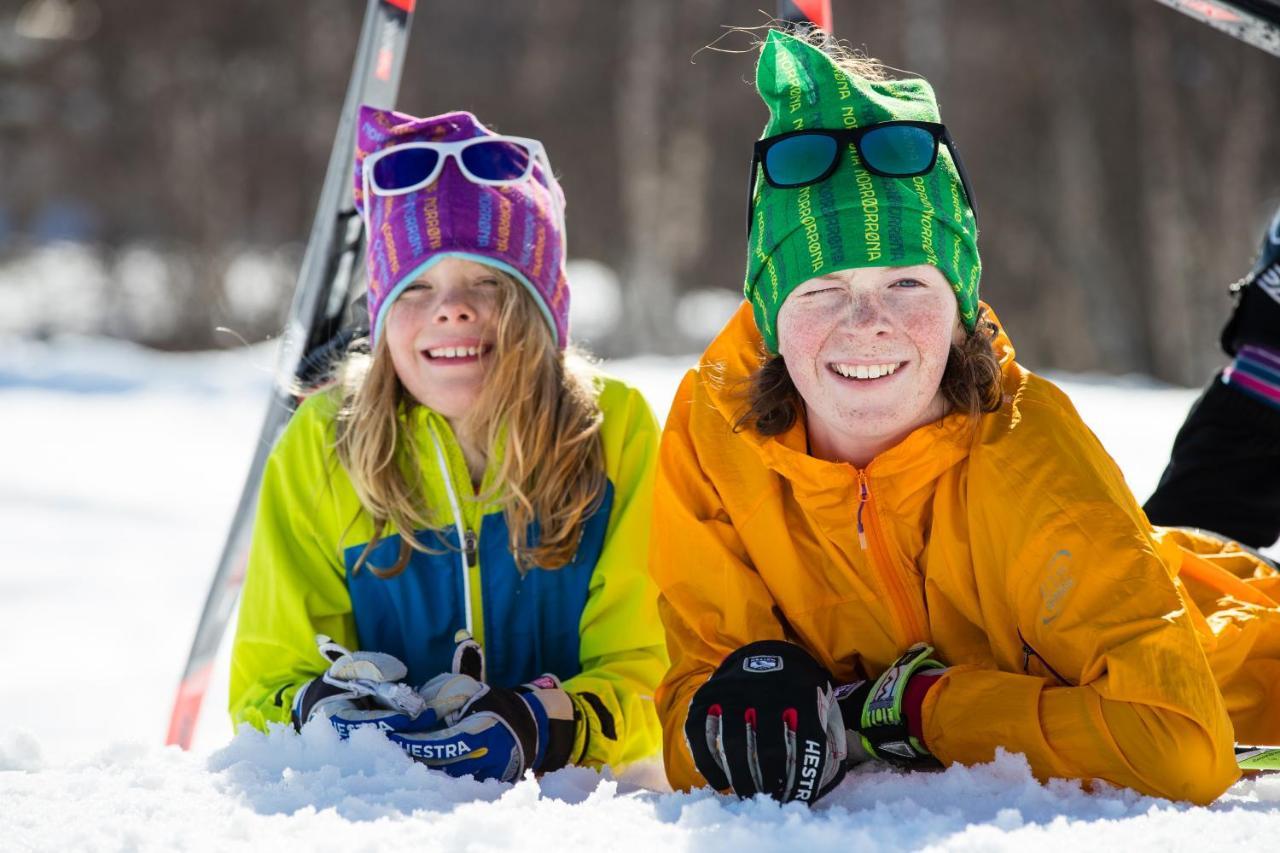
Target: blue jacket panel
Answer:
pixel 415 614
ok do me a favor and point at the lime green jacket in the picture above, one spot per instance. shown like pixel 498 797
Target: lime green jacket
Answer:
pixel 593 623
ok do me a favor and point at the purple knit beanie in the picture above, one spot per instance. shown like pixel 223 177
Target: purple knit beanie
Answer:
pixel 517 228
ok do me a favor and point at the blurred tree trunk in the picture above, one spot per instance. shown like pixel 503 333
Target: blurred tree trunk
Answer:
pixel 1169 238
pixel 648 279
pixel 1090 308
pixel 924 43
pixel 1242 169
pixel 664 177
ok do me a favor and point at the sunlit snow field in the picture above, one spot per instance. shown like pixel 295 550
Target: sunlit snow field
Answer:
pixel 121 468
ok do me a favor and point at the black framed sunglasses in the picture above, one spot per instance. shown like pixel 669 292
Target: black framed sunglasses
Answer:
pixel 891 149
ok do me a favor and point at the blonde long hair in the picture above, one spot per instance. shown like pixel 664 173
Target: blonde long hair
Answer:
pixel 537 412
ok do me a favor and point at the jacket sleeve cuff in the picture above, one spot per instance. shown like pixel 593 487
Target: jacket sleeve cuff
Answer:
pixel 595 727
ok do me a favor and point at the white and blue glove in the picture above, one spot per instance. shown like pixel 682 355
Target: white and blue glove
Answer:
pixel 491 732
pixel 361 689
pixel 455 722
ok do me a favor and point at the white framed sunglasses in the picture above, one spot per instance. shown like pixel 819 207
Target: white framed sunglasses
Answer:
pixel 492 161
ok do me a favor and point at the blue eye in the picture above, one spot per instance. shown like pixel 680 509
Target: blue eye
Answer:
pixel 908 282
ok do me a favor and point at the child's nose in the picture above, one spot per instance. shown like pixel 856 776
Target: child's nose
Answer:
pixel 454 310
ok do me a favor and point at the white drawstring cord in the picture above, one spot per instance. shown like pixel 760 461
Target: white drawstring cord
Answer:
pixel 457 523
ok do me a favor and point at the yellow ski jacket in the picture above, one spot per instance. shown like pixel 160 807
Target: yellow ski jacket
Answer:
pixel 1013 545
pixel 593 623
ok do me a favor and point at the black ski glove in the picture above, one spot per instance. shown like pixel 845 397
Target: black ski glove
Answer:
pixel 767 722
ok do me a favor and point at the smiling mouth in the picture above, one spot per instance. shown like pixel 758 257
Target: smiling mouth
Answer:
pixel 866 372
pixel 456 355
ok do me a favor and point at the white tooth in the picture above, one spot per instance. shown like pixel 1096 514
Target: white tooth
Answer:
pixel 844 371
pixel 473 350
pixel 861 371
pixel 451 352
pixel 892 368
pixel 873 372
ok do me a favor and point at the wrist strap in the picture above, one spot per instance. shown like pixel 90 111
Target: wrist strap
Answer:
pixel 554 713
pixel 881 726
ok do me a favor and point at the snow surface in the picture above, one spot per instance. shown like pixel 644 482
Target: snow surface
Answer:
pixel 121 471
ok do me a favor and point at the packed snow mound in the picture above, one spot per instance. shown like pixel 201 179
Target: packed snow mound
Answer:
pixel 312 791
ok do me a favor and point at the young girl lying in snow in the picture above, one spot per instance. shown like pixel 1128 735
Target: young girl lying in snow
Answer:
pixel 878 537
pixel 472 479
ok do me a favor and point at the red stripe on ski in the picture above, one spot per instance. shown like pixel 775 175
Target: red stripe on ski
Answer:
pixel 406 5
pixel 1211 11
pixel 186 708
pixel 817 11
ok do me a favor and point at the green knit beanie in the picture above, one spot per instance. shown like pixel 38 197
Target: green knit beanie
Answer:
pixel 852 219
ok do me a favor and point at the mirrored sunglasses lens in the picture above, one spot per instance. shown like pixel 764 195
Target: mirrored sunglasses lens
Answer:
pixel 899 150
pixel 800 159
pixel 405 168
pixel 498 160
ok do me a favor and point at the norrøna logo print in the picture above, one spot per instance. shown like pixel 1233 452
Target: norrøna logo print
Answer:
pixel 762 663
pixel 1055 583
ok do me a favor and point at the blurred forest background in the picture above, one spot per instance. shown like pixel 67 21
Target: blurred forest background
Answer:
pixel 162 160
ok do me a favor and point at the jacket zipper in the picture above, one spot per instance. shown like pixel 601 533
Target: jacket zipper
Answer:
pixel 869 535
pixel 470 547
pixel 466 537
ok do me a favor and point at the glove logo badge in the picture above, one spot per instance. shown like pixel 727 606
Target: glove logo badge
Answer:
pixel 762 663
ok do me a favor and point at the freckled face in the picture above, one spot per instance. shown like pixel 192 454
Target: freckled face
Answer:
pixel 866 349
pixel 440 332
